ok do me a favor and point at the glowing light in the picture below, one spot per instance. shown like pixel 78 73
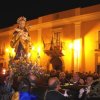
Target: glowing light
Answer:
pixel 13 49
pixel 7 50
pixel 77 45
pixel 39 49
pixel 71 45
pixel 64 52
pixel 10 51
pixel 4 71
pixel 33 48
pixel 13 52
pixel 29 54
pixel 77 54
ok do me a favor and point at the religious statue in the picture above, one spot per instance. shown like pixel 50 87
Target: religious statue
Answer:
pixel 21 39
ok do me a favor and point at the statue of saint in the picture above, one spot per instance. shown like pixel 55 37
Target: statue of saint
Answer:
pixel 21 39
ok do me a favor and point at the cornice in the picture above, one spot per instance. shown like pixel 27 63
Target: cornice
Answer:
pixel 55 23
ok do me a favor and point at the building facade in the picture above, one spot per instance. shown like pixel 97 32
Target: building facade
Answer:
pixel 79 32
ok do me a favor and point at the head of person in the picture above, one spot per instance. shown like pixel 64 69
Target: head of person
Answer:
pixel 32 77
pixel 21 22
pixel 53 73
pixel 54 84
pixel 76 77
pixel 89 80
pixel 62 75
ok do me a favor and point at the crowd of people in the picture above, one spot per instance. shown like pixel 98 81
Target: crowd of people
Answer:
pixel 57 86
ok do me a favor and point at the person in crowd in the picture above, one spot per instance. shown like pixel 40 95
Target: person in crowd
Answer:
pixel 95 75
pixel 32 79
pixel 24 92
pixel 84 91
pixel 53 90
pixel 89 80
pixel 68 75
pixel 62 78
pixel 6 89
pixel 16 82
pixel 76 80
pixel 53 73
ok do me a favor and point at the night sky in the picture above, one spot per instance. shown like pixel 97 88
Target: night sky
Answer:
pixel 10 10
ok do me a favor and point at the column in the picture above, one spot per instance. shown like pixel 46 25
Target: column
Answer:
pixel 77 47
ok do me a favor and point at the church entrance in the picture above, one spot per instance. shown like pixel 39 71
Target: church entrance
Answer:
pixel 56 63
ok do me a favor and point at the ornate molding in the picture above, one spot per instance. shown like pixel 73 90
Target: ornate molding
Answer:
pixel 59 22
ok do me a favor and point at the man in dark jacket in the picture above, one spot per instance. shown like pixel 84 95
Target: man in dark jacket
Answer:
pixel 53 91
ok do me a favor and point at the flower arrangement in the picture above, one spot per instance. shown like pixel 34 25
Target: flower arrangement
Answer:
pixel 24 67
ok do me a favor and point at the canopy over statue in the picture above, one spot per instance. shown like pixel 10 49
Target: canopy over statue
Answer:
pixel 21 39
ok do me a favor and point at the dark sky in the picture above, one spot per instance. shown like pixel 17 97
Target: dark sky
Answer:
pixel 10 10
